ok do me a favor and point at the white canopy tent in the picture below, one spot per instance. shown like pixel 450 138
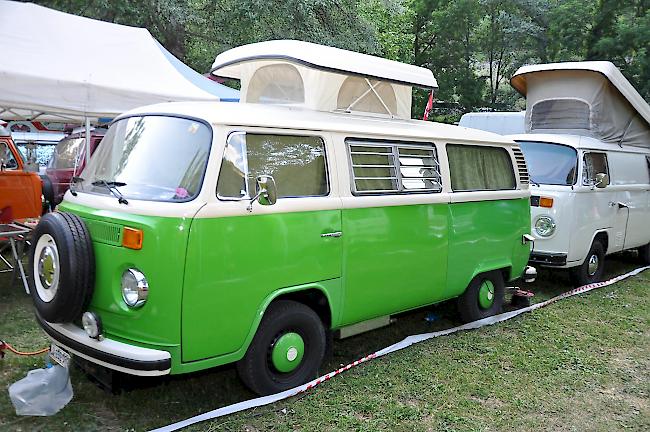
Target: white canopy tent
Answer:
pixel 62 67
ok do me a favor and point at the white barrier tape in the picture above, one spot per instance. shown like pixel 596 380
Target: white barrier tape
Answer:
pixel 406 342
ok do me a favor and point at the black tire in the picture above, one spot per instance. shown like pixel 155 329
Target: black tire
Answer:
pixel 70 293
pixel 583 275
pixel 469 307
pixel 644 254
pixel 48 194
pixel 256 369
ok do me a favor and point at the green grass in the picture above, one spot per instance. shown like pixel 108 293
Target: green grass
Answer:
pixel 580 364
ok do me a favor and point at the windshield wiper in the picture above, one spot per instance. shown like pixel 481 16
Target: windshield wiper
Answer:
pixel 112 188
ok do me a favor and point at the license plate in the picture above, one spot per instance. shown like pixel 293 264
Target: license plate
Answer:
pixel 59 355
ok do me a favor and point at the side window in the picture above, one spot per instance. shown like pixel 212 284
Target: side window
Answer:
pixel 297 164
pixel 381 167
pixel 480 168
pixel 594 163
pixel 647 161
pixel 7 160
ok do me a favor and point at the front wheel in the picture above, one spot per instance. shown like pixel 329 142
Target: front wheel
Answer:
pixel 592 268
pixel 483 297
pixel 286 351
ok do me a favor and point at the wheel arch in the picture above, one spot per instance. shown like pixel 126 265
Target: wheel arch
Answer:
pixel 315 296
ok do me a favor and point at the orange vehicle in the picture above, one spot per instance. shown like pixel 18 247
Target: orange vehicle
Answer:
pixel 20 191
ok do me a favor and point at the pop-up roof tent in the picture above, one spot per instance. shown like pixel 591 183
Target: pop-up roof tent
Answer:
pixel 322 78
pixel 585 98
pixel 68 68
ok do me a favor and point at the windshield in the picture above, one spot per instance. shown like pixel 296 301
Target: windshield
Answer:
pixel 551 164
pixel 153 158
pixel 65 153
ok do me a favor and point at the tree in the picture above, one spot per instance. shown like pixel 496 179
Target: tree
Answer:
pixel 621 33
pixel 445 41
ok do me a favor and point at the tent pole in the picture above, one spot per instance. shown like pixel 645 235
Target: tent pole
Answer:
pixel 87 140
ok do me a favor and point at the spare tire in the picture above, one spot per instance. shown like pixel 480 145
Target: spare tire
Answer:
pixel 62 267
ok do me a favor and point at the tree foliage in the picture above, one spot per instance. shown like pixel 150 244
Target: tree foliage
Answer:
pixel 472 46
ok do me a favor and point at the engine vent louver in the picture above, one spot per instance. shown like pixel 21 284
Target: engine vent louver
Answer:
pixel 521 165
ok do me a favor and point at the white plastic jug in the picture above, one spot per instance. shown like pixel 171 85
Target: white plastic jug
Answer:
pixel 43 392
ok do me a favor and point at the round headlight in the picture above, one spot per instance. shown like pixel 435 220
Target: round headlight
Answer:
pixel 134 288
pixel 545 226
pixel 92 324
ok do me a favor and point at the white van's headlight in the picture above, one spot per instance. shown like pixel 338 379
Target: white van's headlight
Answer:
pixel 135 288
pixel 545 226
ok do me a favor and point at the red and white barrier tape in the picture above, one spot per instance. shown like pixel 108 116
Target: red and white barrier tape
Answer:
pixel 406 342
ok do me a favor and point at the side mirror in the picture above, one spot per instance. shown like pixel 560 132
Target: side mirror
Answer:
pixel 601 181
pixel 267 192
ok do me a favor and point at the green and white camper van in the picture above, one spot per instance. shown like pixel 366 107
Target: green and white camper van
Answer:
pixel 202 234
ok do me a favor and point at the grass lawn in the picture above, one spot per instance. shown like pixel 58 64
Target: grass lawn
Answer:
pixel 581 364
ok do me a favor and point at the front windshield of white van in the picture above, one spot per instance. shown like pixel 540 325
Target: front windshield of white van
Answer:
pixel 550 164
pixel 155 158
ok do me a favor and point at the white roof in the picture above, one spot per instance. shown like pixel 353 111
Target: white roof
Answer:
pixel 274 116
pixel 501 122
pixel 73 67
pixel 324 58
pixel 607 69
pixel 575 141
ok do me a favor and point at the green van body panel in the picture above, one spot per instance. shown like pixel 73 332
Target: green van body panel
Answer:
pixel 211 279
pixel 161 259
pixel 395 259
pixel 235 263
pixel 485 236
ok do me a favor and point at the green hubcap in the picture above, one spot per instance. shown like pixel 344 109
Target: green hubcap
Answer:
pixel 486 294
pixel 287 352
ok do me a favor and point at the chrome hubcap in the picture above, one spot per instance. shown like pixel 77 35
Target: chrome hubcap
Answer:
pixel 47 264
pixel 47 269
pixel 593 265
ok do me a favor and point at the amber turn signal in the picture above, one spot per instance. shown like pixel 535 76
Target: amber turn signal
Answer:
pixel 132 238
pixel 546 202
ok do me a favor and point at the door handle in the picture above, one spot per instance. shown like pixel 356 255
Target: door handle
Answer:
pixel 619 204
pixel 332 234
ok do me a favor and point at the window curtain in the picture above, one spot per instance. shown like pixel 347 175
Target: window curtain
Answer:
pixel 480 168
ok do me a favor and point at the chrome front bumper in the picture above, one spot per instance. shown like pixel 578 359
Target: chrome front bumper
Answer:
pixel 109 353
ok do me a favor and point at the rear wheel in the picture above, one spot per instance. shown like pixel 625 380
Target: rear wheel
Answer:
pixel 644 254
pixel 287 349
pixel 483 297
pixel 592 268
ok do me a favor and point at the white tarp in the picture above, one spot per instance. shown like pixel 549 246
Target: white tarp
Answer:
pixel 65 67
pixel 585 98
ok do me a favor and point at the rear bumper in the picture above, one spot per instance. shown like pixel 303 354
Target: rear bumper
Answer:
pixel 109 353
pixel 548 259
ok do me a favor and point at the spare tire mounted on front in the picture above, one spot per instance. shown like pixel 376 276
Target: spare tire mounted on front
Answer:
pixel 62 267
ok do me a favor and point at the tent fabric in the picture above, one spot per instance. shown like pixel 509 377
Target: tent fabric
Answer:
pixel 584 98
pixel 276 81
pixel 59 66
pixel 227 64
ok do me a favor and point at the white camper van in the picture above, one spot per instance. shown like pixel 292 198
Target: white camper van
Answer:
pixel 587 148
